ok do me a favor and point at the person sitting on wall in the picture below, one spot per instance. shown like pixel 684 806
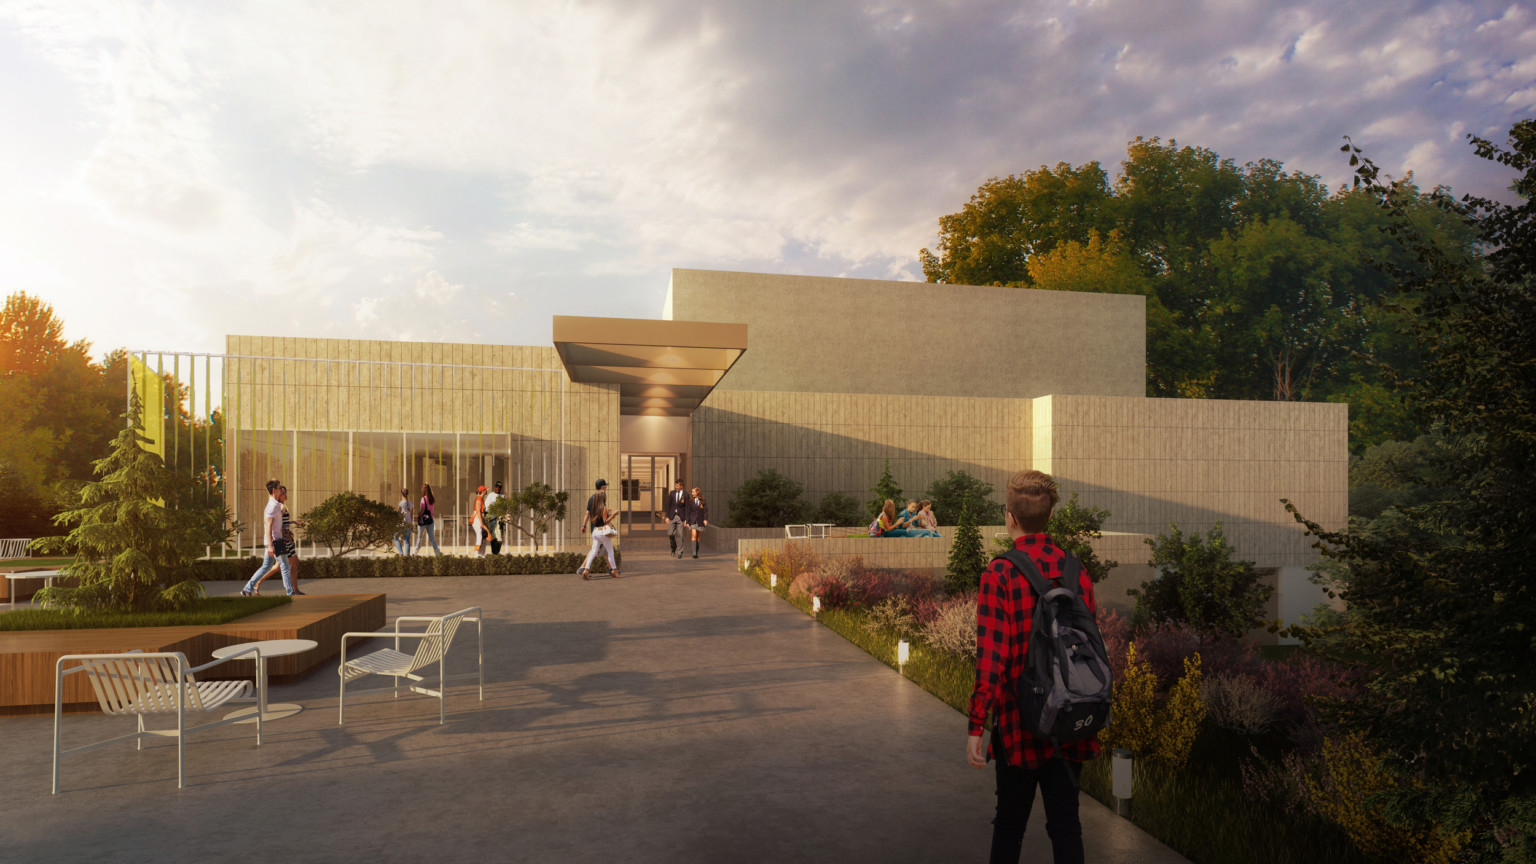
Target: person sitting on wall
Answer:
pixel 925 517
pixel 885 521
pixel 906 523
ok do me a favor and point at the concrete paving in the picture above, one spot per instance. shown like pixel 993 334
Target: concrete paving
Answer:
pixel 680 713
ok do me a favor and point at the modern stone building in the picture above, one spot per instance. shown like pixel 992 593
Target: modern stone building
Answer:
pixel 823 379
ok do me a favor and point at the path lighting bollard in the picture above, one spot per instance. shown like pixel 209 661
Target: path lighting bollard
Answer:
pixel 773 580
pixel 902 652
pixel 815 605
pixel 1120 769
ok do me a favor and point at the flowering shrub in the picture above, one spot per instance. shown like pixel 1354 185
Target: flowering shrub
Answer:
pixel 1283 784
pixel 1239 703
pixel 842 568
pixel 1167 646
pixel 893 614
pixel 1350 775
pixel 1163 736
pixel 834 593
pixel 1298 679
pixel 1181 717
pixel 1116 630
pixel 789 561
pixel 1134 709
pixel 952 629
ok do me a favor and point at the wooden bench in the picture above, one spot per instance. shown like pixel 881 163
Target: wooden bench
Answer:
pixel 27 658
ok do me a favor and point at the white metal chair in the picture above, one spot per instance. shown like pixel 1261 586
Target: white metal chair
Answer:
pixel 141 684
pixel 433 648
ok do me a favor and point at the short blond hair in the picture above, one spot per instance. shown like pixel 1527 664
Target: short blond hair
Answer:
pixel 1032 496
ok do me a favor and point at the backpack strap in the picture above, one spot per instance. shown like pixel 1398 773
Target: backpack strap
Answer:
pixel 1028 570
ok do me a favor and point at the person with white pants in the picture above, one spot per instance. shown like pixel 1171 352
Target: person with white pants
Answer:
pixel 601 519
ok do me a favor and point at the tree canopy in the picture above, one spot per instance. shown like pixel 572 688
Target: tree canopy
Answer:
pixel 1260 283
pixel 62 412
pixel 134 552
pixel 1441 585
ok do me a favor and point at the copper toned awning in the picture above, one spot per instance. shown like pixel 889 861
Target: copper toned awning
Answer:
pixel 663 368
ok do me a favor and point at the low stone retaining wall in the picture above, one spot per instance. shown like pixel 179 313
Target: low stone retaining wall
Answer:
pixel 28 657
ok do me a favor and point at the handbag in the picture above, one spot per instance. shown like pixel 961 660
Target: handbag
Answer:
pixel 425 518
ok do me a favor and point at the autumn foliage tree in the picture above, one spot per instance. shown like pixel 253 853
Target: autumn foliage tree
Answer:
pixel 62 411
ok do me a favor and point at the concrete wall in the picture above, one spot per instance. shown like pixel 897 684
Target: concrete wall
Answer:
pixel 655 434
pixel 838 442
pixel 831 335
pixel 1152 462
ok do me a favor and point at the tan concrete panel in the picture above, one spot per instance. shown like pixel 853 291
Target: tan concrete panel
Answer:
pixel 799 341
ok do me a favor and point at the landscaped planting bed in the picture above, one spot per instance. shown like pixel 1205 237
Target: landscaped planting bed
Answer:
pixel 1238 797
pixel 206 610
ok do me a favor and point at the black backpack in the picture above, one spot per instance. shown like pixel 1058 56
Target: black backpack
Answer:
pixel 1065 690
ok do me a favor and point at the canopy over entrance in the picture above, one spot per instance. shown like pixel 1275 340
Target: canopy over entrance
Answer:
pixel 663 368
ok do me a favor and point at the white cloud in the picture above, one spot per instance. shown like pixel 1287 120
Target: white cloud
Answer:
pixel 321 167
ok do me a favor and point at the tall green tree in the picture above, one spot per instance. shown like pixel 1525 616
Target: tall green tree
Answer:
pixel 966 558
pixel 885 488
pixel 1260 284
pixel 133 552
pixel 1442 595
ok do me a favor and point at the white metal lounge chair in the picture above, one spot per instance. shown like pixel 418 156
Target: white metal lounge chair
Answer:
pixel 433 648
pixel 141 684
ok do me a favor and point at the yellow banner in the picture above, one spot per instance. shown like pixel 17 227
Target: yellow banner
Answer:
pixel 150 388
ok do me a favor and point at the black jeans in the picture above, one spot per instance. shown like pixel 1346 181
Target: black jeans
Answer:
pixel 1057 779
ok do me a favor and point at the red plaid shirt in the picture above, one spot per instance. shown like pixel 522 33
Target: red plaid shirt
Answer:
pixel 1005 611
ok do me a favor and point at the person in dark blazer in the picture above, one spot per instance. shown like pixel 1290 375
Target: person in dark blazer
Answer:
pixel 696 518
pixel 672 508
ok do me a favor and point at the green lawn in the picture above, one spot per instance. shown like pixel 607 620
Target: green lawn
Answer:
pixel 208 610
pixel 35 563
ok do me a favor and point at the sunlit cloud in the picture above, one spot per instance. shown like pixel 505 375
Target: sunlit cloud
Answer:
pixel 408 170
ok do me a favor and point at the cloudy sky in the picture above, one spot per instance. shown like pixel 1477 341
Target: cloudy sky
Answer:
pixel 174 171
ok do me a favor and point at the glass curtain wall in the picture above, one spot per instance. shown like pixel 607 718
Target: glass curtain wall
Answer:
pixel 370 427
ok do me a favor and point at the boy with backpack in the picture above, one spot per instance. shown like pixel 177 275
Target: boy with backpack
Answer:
pixel 1041 669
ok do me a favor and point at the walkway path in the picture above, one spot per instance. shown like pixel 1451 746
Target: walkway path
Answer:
pixel 681 713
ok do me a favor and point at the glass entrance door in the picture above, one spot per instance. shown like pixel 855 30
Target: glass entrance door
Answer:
pixel 643 488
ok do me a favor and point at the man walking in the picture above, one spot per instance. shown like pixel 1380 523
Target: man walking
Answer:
pixel 1004 618
pixel 677 499
pixel 602 486
pixel 277 550
pixel 493 524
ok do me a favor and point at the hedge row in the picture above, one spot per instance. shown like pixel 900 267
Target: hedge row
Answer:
pixel 233 569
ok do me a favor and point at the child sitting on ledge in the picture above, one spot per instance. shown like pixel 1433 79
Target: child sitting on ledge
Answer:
pixel 907 524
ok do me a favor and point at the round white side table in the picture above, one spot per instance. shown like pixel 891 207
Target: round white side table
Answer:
pixel 265 649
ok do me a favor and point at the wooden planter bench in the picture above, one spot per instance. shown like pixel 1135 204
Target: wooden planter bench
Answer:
pixel 27 658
